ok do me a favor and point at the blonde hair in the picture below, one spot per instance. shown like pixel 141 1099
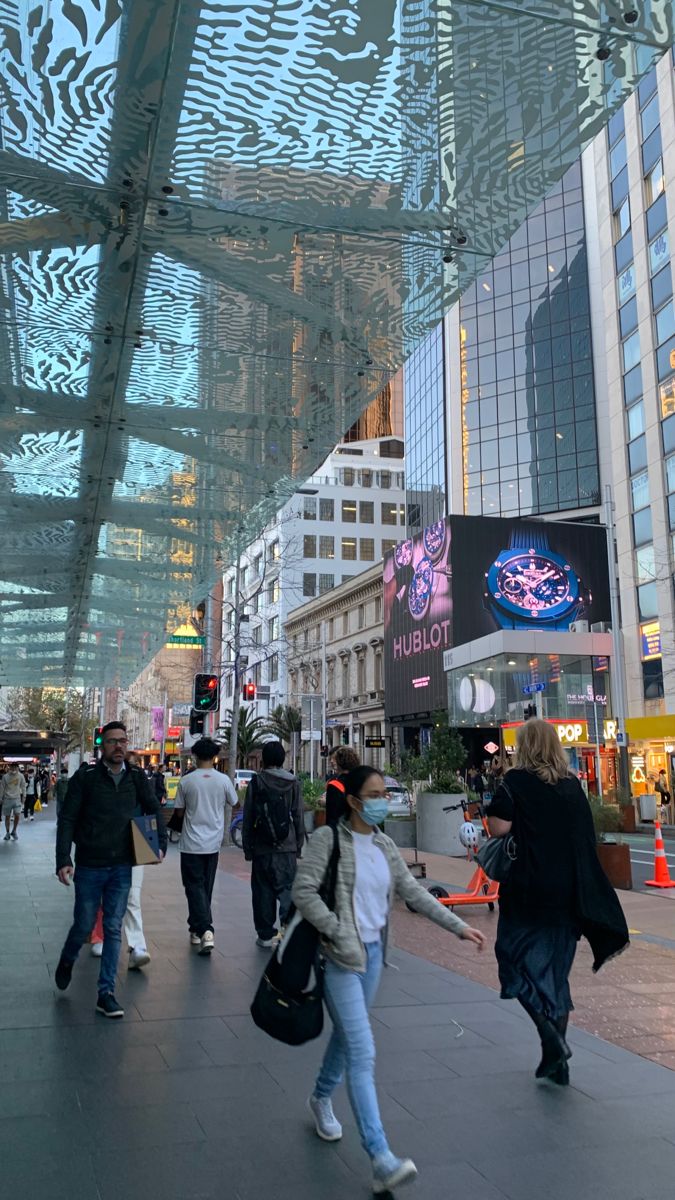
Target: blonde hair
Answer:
pixel 538 750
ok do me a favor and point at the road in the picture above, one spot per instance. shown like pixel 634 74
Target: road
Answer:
pixel 642 860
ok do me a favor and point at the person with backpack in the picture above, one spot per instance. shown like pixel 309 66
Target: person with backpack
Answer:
pixel 202 797
pixel 96 815
pixel 273 832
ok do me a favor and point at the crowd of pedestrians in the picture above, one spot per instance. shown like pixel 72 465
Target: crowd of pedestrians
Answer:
pixel 554 894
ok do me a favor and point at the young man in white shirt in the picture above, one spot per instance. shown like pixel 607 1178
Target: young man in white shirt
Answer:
pixel 203 795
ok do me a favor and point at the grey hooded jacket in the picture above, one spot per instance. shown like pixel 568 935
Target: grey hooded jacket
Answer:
pixel 340 938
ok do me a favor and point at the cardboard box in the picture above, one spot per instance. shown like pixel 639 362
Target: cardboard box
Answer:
pixel 145 841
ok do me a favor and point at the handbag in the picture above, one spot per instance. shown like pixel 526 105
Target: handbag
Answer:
pixel 285 1006
pixel 498 854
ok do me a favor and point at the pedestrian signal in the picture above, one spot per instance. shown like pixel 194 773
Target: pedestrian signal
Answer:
pixel 98 737
pixel 206 694
pixel 197 721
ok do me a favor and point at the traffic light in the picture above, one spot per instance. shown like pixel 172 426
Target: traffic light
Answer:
pixel 196 722
pixel 206 694
pixel 325 751
pixel 529 711
pixel 248 691
pixel 98 737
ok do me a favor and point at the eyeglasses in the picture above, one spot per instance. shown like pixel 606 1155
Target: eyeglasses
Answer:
pixel 116 741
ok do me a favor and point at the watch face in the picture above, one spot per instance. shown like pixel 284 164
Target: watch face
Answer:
pixel 421 587
pixel 434 540
pixel 533 584
pixel 403 553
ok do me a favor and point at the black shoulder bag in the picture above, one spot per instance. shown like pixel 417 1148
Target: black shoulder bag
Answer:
pixel 285 1005
pixel 498 854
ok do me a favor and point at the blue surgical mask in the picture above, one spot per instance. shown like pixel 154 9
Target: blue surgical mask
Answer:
pixel 374 811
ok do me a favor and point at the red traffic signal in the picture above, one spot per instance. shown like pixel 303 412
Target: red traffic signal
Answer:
pixel 206 695
pixel 248 691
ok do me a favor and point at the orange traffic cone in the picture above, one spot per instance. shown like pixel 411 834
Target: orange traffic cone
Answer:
pixel 662 875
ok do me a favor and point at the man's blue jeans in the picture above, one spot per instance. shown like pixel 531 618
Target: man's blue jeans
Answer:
pixel 106 888
pixel 351 1049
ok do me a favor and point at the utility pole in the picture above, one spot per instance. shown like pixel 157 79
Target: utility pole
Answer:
pixel 618 664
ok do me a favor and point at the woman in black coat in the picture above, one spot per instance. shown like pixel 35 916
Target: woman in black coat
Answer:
pixel 556 892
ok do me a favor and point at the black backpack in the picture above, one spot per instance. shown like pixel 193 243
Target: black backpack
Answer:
pixel 272 811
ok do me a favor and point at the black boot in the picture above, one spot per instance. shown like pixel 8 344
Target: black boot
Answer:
pixel 555 1050
pixel 561 1075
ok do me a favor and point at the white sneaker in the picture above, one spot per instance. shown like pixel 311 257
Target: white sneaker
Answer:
pixel 195 939
pixel 138 958
pixel 327 1125
pixel 96 949
pixel 32 818
pixel 207 943
pixel 266 943
pixel 390 1172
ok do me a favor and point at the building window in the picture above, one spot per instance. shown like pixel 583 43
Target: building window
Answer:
pixel 388 544
pixel 273 552
pixel 347 578
pixel 243 577
pixel 345 678
pixel 384 480
pixel 622 220
pixel 637 455
pixel 347 475
pixel 349 511
pixel 361 675
pixel 664 320
pixel 367 549
pixel 647 603
pixel 378 609
pixel 645 571
pixel 326 510
pixel 255 603
pixel 649 117
pixel 654 182
pixel 361 616
pixel 309 508
pixel 273 669
pixel 366 512
pixel 378 673
pixel 628 317
pixel 389 513
pixel 631 351
pixel 635 419
pixel 309 584
pixel 349 548
pixel 273 629
pixel 326 583
pixel 230 586
pixel 257 635
pixel 652 679
pixel 309 546
pixel 639 487
pixel 366 478
pixel 330 629
pixel 670 488
pixel 345 622
pixel 617 158
pixel 659 252
pixel 273 591
pixel 642 526
pixel 257 565
pixel 326 547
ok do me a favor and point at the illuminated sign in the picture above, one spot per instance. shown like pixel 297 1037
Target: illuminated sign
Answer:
pixel 650 636
pixel 571 733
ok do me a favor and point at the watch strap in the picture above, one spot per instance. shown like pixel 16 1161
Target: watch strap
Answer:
pixel 528 537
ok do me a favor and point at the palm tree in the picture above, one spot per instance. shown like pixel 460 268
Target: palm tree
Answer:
pixel 284 721
pixel 251 731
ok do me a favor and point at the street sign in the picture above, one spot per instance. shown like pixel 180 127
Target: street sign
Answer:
pixel 310 735
pixel 179 639
pixel 180 710
pixel 621 738
pixel 376 743
pixel 531 688
pixel 491 747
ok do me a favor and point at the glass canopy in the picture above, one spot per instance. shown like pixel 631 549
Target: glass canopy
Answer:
pixel 223 227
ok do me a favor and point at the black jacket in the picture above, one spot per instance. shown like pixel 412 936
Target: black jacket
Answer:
pixel 96 816
pixel 283 781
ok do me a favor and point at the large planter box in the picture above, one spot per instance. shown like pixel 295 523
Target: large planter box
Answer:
pixel 402 831
pixel 615 861
pixel 628 818
pixel 438 831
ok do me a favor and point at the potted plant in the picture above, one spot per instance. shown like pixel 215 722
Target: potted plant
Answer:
pixel 312 794
pixel 628 815
pixel 614 854
pixel 439 765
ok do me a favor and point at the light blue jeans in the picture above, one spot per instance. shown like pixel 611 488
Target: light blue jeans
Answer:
pixel 351 1049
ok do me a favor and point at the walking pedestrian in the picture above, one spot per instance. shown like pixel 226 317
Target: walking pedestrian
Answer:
pixel 12 797
pixel 354 943
pixel 158 782
pixel 61 789
pixel 556 892
pixel 344 760
pixel 203 794
pixel 272 835
pixel 662 786
pixel 32 794
pixel 96 815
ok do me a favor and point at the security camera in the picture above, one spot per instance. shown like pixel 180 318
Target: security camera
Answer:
pixel 630 17
pixel 447 257
pixel 602 53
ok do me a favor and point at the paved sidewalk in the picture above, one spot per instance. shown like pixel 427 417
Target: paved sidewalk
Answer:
pixel 186 1100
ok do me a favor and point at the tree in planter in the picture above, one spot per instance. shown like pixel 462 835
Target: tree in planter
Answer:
pixel 443 758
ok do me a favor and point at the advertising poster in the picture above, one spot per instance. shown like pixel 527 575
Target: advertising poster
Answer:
pixel 466 577
pixel 157 720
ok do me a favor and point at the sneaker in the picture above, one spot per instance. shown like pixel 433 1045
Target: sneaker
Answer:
pixel 14 835
pixel 266 943
pixel 206 943
pixel 32 818
pixel 195 939
pixel 327 1125
pixel 96 949
pixel 108 1005
pixel 63 974
pixel 138 958
pixel 390 1172
pixel 6 838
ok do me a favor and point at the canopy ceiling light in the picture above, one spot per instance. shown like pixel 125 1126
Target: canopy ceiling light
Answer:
pixel 222 228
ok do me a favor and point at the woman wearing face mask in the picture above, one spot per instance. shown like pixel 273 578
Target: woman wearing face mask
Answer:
pixel 354 942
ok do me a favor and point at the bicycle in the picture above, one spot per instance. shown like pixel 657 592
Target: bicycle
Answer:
pixel 480 889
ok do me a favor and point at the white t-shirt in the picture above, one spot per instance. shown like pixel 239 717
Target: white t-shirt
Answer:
pixel 372 887
pixel 203 794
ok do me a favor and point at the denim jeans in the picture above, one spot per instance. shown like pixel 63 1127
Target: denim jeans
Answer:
pixel 351 1049
pixel 108 888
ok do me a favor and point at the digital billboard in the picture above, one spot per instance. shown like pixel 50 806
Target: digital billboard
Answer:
pixel 466 577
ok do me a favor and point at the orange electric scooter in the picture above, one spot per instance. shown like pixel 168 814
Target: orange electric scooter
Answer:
pixel 481 889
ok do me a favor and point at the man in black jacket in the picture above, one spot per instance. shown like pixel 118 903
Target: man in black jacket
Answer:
pixel 273 832
pixel 96 815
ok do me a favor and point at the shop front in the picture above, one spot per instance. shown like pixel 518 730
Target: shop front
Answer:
pixel 651 750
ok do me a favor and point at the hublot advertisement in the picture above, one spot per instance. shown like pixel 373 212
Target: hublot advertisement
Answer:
pixel 465 577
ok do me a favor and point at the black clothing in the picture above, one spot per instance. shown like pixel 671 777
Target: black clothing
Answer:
pixel 96 815
pixel 557 880
pixel 29 806
pixel 336 799
pixel 257 843
pixel 272 876
pixel 198 873
pixel 159 785
pixel 534 964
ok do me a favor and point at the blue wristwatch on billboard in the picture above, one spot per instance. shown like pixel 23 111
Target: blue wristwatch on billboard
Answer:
pixel 529 586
